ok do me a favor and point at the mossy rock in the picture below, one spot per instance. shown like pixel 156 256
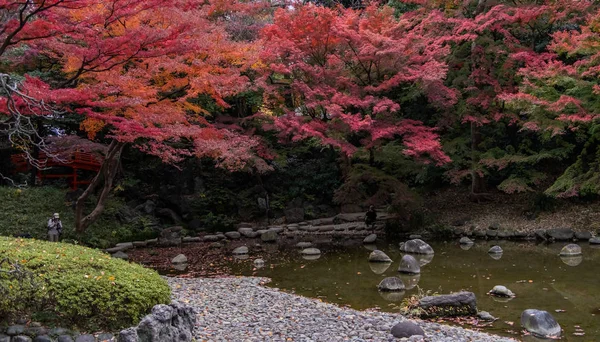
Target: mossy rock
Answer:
pixel 84 287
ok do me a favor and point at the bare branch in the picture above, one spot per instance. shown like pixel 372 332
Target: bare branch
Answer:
pixel 13 183
pixel 21 129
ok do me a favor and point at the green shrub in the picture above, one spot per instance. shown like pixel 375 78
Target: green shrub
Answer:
pixel 80 285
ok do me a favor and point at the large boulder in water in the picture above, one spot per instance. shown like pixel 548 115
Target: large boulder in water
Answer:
pixel 409 265
pixel 391 284
pixel 583 235
pixel 560 234
pixel 455 304
pixel 416 246
pixel 540 323
pixel 570 250
pixel 379 256
pixel 407 329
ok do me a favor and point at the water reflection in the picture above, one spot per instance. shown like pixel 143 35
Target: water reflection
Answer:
pixel 410 280
pixel 502 299
pixel 395 296
pixel 370 247
pixel 423 259
pixel 379 267
pixel 572 260
pixel 495 256
pixel 241 256
pixel 311 257
pixel 466 246
pixel 534 272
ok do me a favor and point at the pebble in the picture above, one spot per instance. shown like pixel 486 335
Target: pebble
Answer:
pixel 241 309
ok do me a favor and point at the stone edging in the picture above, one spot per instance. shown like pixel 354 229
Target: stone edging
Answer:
pixel 173 322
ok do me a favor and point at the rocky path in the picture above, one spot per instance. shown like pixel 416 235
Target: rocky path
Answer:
pixel 241 309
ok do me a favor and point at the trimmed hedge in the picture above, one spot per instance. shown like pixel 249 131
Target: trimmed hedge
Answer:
pixel 84 287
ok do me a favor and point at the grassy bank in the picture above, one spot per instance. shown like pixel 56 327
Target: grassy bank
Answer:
pixel 26 211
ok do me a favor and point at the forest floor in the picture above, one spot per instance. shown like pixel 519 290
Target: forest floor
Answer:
pixel 521 212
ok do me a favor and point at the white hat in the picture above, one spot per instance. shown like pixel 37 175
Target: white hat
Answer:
pixel 55 215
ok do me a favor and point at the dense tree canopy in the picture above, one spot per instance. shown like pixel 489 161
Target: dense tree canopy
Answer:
pixel 487 90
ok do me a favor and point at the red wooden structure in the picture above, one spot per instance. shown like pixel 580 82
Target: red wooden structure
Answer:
pixel 77 161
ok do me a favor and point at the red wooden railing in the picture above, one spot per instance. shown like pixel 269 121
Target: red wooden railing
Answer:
pixel 77 161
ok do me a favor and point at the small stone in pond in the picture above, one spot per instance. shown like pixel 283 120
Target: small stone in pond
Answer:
pixel 406 329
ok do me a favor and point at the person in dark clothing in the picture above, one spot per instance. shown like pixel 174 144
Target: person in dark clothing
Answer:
pixel 370 217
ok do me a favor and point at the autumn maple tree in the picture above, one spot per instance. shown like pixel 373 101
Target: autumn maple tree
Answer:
pixel 132 70
pixel 337 74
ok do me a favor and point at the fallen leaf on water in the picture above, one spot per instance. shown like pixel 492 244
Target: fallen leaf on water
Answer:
pixel 578 333
pixel 509 322
pixel 560 310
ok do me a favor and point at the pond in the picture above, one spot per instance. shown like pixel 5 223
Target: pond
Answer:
pixel 567 288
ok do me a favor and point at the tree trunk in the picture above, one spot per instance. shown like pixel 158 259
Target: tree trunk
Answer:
pixel 266 193
pixel 477 180
pixel 371 156
pixel 345 165
pixel 105 175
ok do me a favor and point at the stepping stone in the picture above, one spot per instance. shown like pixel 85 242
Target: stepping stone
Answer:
pixel 240 250
pixel 370 238
pixel 311 251
pixel 233 235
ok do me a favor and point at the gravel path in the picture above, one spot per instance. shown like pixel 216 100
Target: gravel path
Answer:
pixel 240 309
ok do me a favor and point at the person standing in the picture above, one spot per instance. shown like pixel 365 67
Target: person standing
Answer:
pixel 54 228
pixel 370 217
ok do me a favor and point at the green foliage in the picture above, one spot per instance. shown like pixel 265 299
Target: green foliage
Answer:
pixel 304 171
pixel 440 231
pixel 370 186
pixel 410 305
pixel 582 178
pixel 28 210
pixel 542 202
pixel 218 222
pixel 83 286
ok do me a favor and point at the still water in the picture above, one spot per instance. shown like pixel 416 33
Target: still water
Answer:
pixel 535 273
